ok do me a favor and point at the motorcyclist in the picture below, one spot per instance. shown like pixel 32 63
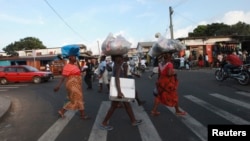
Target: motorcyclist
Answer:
pixel 233 61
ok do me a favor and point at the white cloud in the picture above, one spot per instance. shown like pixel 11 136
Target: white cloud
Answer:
pixel 229 18
pixel 233 17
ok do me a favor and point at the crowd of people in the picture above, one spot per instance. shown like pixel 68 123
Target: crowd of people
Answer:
pixel 72 74
pixel 119 66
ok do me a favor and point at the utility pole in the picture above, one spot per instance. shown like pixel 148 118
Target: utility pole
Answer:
pixel 171 25
pixel 99 50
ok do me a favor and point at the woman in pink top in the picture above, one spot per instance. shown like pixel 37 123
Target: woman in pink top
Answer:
pixel 72 74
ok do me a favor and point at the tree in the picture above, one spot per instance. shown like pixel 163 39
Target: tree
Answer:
pixel 241 28
pixel 221 29
pixel 27 43
pixel 199 31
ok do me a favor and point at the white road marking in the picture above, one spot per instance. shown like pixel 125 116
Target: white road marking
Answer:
pixel 147 129
pixel 195 126
pixel 234 119
pixel 96 133
pixel 231 100
pixel 52 133
pixel 243 93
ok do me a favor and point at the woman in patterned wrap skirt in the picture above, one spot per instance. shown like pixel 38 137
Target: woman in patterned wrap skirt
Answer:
pixel 72 74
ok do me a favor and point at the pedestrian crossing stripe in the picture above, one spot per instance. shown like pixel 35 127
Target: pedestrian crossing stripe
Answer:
pixel 247 94
pixel 52 133
pixel 195 126
pixel 147 129
pixel 226 115
pixel 96 134
pixel 234 101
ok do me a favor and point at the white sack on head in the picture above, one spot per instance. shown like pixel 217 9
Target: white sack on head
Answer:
pixel 170 44
pixel 115 46
pixel 164 45
pixel 155 50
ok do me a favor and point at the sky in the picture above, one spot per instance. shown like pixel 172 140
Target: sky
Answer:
pixel 61 22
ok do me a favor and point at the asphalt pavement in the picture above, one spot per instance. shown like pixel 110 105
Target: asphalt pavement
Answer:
pixel 5 104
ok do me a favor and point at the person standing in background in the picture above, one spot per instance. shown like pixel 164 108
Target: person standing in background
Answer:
pixel 182 62
pixel 103 74
pixel 155 68
pixel 47 67
pixel 130 74
pixel 89 72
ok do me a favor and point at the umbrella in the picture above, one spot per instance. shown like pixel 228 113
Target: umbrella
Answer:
pixel 69 50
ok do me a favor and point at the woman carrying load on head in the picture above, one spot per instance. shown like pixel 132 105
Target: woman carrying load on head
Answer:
pixel 72 75
pixel 167 85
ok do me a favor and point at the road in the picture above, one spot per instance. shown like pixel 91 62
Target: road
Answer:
pixel 33 115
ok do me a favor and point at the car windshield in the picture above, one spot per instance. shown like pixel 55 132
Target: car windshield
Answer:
pixel 31 69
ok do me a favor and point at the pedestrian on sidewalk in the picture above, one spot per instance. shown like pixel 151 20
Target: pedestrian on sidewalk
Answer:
pixel 167 85
pixel 72 75
pixel 117 73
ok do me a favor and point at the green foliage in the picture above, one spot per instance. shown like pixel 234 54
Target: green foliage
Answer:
pixel 221 29
pixel 27 43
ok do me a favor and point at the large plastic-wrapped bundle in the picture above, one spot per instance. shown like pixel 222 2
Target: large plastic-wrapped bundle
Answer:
pixel 164 45
pixel 170 45
pixel 70 50
pixel 155 50
pixel 115 46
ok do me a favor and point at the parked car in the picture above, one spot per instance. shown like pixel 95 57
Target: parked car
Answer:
pixel 23 73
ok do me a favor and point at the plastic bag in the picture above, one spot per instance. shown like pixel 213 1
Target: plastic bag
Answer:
pixel 164 45
pixel 70 50
pixel 115 46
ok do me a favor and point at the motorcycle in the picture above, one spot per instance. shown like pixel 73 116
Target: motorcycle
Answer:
pixel 247 66
pixel 241 74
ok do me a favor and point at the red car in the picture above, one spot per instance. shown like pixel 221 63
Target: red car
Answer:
pixel 23 73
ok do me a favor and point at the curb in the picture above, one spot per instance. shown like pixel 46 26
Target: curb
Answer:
pixel 5 104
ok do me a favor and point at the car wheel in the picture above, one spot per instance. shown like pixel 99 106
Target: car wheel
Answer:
pixel 3 81
pixel 37 79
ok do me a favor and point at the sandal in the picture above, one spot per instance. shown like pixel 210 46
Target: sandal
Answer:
pixel 181 113
pixel 155 113
pixel 61 114
pixel 137 122
pixel 106 127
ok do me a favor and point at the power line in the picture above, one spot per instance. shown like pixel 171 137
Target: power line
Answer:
pixel 79 35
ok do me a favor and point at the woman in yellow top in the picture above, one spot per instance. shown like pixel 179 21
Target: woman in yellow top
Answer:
pixel 72 74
